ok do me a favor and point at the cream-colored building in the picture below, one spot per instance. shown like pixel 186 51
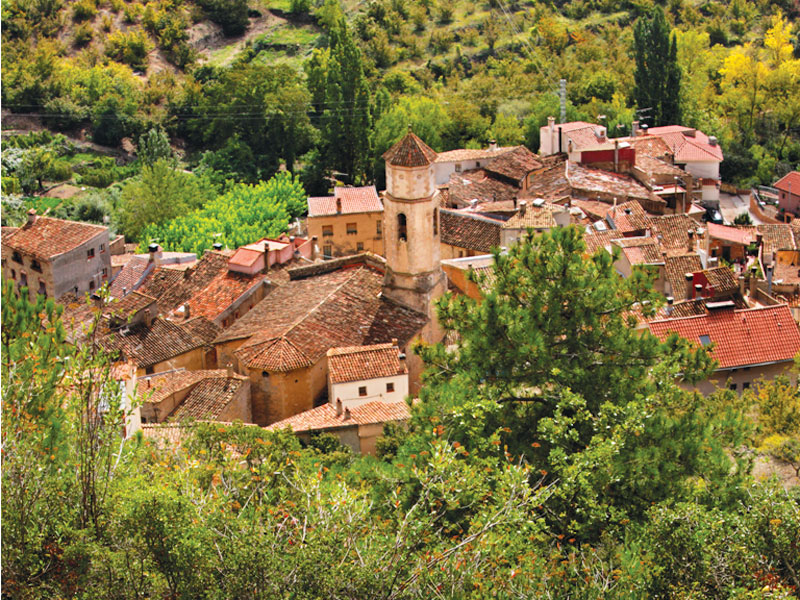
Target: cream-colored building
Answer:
pixel 348 222
pixel 361 374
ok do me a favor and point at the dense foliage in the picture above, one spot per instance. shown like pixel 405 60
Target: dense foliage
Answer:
pixel 536 464
pixel 243 215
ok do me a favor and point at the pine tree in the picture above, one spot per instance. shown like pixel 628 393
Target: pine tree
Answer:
pixel 657 76
pixel 347 118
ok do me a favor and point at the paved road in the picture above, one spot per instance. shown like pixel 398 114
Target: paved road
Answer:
pixel 732 206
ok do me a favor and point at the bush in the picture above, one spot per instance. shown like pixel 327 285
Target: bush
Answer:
pixel 129 47
pixel 60 171
pixel 83 10
pixel 83 35
pixel 299 7
pixel 231 15
pixel 99 178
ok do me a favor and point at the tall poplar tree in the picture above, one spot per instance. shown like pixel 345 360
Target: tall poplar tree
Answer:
pixel 658 77
pixel 347 119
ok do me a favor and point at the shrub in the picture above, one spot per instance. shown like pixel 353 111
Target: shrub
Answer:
pixel 132 12
pixel 83 10
pixel 99 178
pixel 60 171
pixel 83 35
pixel 106 23
pixel 299 7
pixel 129 47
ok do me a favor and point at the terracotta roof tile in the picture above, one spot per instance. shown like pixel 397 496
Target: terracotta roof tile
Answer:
pixel 537 217
pixel 357 363
pixel 599 240
pixel 722 280
pixel 742 337
pixel 676 268
pixel 47 237
pixel 737 235
pixel 353 200
pixel 789 183
pixel 128 306
pixel 130 276
pixel 786 273
pixel 688 308
pixel 159 280
pixel 203 328
pixel 324 417
pixel 299 321
pixel 514 164
pixel 469 231
pixel 208 398
pixel 776 236
pixel 462 154
pixel 147 346
pixel 640 250
pixel 629 217
pixel 480 185
pixel 674 231
pixel 410 152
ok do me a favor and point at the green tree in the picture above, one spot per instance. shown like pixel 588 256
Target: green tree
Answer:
pixel 160 193
pixel 657 75
pixel 346 120
pixel 153 146
pixel 550 365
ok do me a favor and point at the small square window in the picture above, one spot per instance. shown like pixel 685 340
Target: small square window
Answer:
pixel 362 390
pixel 746 385
pixel 148 370
pixel 90 253
pixel 327 251
pixel 327 230
pixel 91 285
pixel 102 248
pixel 733 387
pixel 359 246
pixel 352 228
pixel 42 288
pixel 458 167
pixel 389 387
pixel 17 257
pixel 705 340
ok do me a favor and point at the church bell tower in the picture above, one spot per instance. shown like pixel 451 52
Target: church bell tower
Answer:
pixel 414 275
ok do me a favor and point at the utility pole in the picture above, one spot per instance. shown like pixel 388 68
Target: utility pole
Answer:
pixel 562 94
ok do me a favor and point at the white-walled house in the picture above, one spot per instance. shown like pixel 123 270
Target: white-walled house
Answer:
pixel 361 374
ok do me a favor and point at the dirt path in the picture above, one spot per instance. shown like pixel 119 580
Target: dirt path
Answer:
pixel 206 37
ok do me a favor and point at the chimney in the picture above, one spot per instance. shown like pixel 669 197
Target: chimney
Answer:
pixel 394 341
pixel 522 205
pixel 124 292
pixel 338 206
pixel 644 129
pixel 155 253
pixel 690 233
pixel 689 287
pixel 31 216
pixel 634 128
pixel 229 371
pixel 338 407
pixel 741 285
pixel 712 140
pixel 186 310
pixel 698 290
pixel 616 156
pixel 266 255
pixel 670 303
pixel 492 145
pixel 769 279
pixel 346 414
pixel 217 246
pixel 753 282
pixel 628 210
pixel 148 318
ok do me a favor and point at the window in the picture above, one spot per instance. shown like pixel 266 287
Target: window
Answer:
pixel 23 278
pixel 746 385
pixel 352 229
pixel 102 248
pixel 435 222
pixel 705 340
pixel 458 167
pixel 13 274
pixel 379 228
pixel 389 387
pixel 732 387
pixel 362 390
pixel 359 246
pixel 327 230
pixel 90 253
pixel 265 374
pixel 17 257
pixel 42 288
pixel 327 251
pixel 36 266
pixel 91 285
pixel 105 273
pixel 148 370
pixel 402 234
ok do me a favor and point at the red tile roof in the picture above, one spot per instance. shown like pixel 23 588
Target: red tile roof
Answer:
pixel 777 236
pixel 128 306
pixel 245 257
pixel 629 217
pixel 742 338
pixel 674 232
pixel 722 280
pixel 353 200
pixel 130 276
pixel 357 363
pixel 410 152
pixel 47 237
pixel 469 231
pixel 640 250
pixel 299 321
pixel 514 164
pixel 208 398
pixel 599 240
pixel 537 217
pixel 324 417
pixel 736 235
pixel 676 268
pixel 789 183
pixel 687 144
pixel 202 328
pixel 480 185
pixel 147 346
pixel 471 154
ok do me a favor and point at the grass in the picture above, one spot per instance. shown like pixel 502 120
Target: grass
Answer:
pixel 291 34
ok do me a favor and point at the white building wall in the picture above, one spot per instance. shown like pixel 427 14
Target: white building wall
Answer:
pixel 376 390
pixel 704 169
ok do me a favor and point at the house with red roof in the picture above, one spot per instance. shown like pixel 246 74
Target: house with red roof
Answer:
pixel 748 344
pixel 788 188
pixel 361 374
pixel 54 257
pixel 348 222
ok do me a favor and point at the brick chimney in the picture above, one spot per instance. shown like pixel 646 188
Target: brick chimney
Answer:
pixel 229 371
pixel 690 247
pixel 338 206
pixel 689 285
pixel 338 407
pixel 522 205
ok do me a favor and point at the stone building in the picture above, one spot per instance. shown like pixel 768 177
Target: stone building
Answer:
pixel 54 257
pixel 348 222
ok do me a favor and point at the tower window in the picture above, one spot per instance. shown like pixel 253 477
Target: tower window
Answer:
pixel 378 228
pixel 402 233
pixel 435 221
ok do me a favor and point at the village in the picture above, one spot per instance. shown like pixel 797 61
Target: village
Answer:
pixel 314 330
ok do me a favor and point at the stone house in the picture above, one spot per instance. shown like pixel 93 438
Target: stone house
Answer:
pixel 348 222
pixel 788 188
pixel 54 257
pixel 361 374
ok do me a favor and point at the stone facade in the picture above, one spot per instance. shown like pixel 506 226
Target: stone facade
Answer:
pixel 345 234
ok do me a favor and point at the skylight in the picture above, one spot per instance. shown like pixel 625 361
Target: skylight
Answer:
pixel 705 340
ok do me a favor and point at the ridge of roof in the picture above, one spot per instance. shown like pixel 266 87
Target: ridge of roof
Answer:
pixel 410 151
